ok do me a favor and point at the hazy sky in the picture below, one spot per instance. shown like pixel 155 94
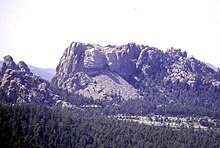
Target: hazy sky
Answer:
pixel 38 31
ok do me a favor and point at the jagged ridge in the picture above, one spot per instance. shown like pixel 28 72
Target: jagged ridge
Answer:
pixel 100 71
pixel 19 85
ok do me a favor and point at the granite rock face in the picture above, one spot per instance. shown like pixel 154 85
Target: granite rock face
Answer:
pixel 185 68
pixel 101 71
pixel 24 68
pixel 96 71
pixel 19 85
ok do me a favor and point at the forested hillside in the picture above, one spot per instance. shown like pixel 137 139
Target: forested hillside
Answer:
pixel 38 126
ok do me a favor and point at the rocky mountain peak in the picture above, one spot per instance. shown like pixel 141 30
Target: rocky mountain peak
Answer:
pixel 24 68
pixel 8 64
pixel 19 85
pixel 97 65
pixel 100 71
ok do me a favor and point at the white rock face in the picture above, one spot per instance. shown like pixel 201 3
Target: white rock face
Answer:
pixel 94 59
pixel 96 71
pixel 113 61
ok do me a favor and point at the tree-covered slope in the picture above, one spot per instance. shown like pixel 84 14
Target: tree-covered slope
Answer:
pixel 39 126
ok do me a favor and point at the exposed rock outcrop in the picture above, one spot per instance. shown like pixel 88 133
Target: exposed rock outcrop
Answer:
pixel 19 85
pixel 99 71
pixel 24 68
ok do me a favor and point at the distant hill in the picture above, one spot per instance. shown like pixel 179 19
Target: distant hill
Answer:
pixel 44 73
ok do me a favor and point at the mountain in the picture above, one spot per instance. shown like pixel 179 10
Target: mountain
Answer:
pixel 126 79
pixel 95 71
pixel 46 74
pixel 138 79
pixel 99 72
pixel 104 88
pixel 19 85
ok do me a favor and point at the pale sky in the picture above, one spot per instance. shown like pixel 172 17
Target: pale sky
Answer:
pixel 38 31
